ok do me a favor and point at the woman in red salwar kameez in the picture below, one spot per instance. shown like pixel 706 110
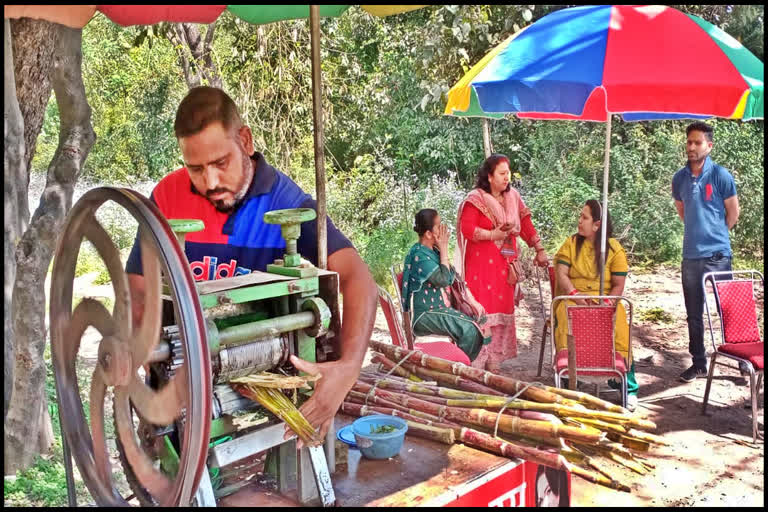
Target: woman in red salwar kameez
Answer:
pixel 489 221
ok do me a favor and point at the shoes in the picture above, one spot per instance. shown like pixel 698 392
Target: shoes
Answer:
pixel 692 373
pixel 631 403
pixel 744 369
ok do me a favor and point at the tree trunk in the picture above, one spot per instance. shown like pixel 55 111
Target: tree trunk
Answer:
pixel 14 174
pixel 28 427
pixel 195 53
pixel 33 44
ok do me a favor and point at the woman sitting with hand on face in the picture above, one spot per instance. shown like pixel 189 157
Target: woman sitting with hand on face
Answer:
pixel 425 273
pixel 576 267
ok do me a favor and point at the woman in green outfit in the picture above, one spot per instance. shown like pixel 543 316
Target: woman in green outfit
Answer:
pixel 425 273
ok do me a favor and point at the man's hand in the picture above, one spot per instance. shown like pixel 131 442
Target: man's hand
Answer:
pixel 337 379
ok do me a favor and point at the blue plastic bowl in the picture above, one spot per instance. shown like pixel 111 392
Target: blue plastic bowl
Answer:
pixel 379 446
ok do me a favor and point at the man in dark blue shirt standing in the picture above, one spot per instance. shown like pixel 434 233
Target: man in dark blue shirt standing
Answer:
pixel 706 201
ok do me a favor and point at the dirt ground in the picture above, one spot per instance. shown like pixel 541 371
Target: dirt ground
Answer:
pixel 711 460
pixel 706 464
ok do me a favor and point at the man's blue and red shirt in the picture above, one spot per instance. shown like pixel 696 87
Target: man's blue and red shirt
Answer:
pixel 703 197
pixel 239 242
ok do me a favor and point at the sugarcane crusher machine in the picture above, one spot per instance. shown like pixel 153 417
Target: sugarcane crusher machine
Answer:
pixel 160 406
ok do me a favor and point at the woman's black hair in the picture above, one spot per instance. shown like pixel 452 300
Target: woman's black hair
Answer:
pixel 489 165
pixel 425 221
pixel 558 483
pixel 597 214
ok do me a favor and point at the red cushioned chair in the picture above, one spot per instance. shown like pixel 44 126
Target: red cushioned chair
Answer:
pixel 547 326
pixel 591 340
pixel 740 332
pixel 401 330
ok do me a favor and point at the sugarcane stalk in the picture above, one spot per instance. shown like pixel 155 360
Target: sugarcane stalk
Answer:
pixel 362 398
pixel 418 429
pixel 586 399
pixel 441 435
pixel 487 442
pixel 603 425
pixel 509 424
pixel 597 478
pixel 635 444
pixel 449 379
pixel 631 464
pixel 386 383
pixel 469 399
pixel 355 407
pixel 279 405
pixel 645 436
pixel 394 368
pixel 605 446
pixel 500 383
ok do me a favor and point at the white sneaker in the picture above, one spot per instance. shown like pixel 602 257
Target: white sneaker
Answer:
pixel 631 402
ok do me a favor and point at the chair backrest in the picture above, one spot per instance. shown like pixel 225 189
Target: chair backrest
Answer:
pixel 592 328
pixel 551 272
pixel 736 305
pixel 396 272
pixel 391 315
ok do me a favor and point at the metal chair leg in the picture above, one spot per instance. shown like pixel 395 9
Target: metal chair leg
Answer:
pixel 753 392
pixel 709 381
pixel 541 350
pixel 624 391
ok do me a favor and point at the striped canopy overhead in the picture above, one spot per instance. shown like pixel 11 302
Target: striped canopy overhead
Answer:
pixel 643 62
pixel 76 16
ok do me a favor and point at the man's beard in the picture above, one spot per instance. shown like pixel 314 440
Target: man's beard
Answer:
pixel 228 205
pixel 697 159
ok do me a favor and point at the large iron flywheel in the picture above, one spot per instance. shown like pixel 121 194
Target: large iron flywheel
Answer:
pixel 180 404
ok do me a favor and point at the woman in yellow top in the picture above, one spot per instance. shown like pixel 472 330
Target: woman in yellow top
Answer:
pixel 576 264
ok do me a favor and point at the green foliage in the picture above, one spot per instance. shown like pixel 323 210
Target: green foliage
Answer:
pixel 42 485
pixel 388 148
pixel 656 315
pixel 89 262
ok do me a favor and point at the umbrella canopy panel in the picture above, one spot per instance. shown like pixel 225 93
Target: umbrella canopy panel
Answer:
pixel 644 62
pixel 76 16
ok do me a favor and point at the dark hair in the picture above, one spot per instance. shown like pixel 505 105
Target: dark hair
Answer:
pixel 558 483
pixel 425 221
pixel 489 165
pixel 700 126
pixel 596 210
pixel 202 106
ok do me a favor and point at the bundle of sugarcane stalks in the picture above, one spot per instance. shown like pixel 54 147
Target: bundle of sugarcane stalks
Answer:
pixel 451 402
pixel 265 387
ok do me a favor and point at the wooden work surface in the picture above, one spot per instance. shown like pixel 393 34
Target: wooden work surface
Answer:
pixel 423 471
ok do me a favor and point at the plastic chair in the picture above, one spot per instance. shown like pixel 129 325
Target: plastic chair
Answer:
pixel 740 332
pixel 547 324
pixel 591 354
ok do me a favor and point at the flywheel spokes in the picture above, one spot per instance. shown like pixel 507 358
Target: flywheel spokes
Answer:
pixel 173 400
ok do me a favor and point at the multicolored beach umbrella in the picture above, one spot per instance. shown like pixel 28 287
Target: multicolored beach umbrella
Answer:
pixel 76 16
pixel 643 62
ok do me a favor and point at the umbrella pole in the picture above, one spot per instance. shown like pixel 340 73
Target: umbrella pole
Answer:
pixel 317 115
pixel 605 201
pixel 487 138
